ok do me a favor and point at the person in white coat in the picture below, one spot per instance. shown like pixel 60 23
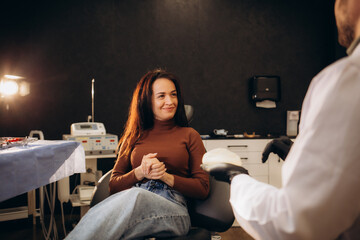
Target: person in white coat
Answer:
pixel 320 193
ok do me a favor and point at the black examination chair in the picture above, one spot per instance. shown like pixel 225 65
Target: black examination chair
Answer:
pixel 213 214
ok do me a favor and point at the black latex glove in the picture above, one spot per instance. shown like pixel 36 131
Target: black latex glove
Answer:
pixel 280 146
pixel 224 172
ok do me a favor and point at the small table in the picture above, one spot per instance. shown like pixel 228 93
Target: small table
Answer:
pixel 25 168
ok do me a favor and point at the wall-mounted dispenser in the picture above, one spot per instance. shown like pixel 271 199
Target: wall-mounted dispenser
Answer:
pixel 265 90
pixel 292 123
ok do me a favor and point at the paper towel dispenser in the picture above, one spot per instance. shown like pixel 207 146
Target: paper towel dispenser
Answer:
pixel 265 87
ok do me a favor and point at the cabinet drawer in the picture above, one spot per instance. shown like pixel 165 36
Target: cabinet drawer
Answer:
pixel 249 157
pixel 238 145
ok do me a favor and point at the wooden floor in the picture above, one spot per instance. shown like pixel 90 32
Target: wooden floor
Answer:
pixel 24 229
pixel 235 233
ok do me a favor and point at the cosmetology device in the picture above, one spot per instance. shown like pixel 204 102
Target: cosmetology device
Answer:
pixel 97 144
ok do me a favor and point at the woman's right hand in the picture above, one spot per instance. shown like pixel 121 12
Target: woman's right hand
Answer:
pixel 150 168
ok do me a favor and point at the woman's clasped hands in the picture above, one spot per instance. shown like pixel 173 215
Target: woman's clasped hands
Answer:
pixel 150 168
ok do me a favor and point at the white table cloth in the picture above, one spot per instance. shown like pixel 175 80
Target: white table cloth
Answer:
pixel 39 163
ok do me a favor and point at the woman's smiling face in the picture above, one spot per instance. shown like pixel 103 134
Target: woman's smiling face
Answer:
pixel 164 99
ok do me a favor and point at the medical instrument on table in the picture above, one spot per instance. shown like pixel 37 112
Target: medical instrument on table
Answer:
pixel 8 142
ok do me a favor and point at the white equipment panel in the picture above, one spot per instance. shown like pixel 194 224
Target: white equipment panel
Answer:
pixel 96 144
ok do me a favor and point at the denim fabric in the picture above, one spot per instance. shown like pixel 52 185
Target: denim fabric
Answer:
pixel 163 190
pixel 151 209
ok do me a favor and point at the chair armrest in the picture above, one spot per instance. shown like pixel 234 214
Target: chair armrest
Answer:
pixel 101 190
pixel 215 212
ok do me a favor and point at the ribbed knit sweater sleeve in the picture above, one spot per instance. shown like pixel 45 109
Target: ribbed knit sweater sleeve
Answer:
pixel 122 176
pixel 197 184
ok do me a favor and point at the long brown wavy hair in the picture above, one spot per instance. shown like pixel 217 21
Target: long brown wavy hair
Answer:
pixel 141 116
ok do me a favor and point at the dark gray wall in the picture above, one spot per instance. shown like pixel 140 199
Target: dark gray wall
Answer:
pixel 214 46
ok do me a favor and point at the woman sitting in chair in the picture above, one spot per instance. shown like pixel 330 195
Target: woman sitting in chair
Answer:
pixel 158 166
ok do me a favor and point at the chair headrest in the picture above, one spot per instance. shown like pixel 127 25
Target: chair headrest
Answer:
pixel 189 112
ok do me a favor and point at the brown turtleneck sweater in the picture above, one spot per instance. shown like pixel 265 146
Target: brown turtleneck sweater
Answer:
pixel 180 148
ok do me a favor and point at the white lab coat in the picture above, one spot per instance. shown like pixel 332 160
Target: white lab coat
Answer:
pixel 320 197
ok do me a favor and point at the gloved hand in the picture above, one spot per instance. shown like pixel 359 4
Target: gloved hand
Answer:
pixel 224 172
pixel 280 146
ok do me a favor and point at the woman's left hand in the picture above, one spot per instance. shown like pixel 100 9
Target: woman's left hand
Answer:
pixel 157 169
pixel 150 168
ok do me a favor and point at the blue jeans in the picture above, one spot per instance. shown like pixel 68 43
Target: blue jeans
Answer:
pixel 150 209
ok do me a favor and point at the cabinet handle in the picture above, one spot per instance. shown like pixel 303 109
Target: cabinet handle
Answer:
pixel 244 158
pixel 237 146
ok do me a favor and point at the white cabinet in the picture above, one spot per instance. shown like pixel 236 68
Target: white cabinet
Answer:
pixel 275 166
pixel 250 153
